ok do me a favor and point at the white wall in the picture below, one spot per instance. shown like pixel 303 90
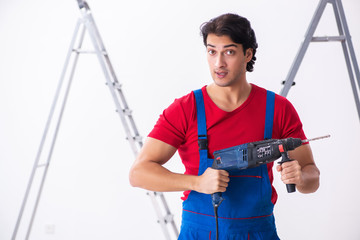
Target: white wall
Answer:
pixel 158 55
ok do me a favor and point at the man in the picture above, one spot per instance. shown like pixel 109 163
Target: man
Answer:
pixel 235 114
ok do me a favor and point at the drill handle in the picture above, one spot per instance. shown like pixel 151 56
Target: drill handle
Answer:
pixel 216 199
pixel 285 158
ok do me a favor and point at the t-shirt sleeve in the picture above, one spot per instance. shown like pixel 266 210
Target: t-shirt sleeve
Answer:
pixel 172 124
pixel 290 124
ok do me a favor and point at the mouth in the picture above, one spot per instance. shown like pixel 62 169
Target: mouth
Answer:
pixel 221 74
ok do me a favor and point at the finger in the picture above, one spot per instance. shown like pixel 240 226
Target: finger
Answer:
pixel 223 173
pixel 286 164
pixel 287 170
pixel 290 181
pixel 223 184
pixel 293 177
pixel 221 189
pixel 224 179
pixel 290 164
pixel 291 169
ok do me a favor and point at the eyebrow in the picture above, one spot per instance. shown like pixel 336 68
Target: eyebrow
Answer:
pixel 226 46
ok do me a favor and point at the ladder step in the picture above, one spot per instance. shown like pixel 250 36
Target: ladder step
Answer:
pixel 43 165
pixel 137 139
pixel 77 50
pixel 329 39
pixel 169 218
pixel 126 111
pixel 117 85
pixel 166 219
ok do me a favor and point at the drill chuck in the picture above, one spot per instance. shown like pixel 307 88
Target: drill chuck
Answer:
pixel 291 143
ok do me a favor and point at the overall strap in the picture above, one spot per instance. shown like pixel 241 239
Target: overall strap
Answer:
pixel 202 133
pixel 269 115
pixel 201 124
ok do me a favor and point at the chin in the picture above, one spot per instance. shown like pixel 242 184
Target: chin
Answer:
pixel 222 83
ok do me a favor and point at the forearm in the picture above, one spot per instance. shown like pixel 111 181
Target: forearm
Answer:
pixel 310 176
pixel 148 172
pixel 154 177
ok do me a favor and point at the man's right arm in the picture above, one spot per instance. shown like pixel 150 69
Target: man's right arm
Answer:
pixel 147 172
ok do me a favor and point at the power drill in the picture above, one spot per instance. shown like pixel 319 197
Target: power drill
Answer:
pixel 251 155
pixel 254 154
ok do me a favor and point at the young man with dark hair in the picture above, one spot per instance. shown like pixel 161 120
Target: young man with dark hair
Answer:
pixel 232 113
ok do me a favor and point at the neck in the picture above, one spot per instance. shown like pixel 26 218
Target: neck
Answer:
pixel 229 98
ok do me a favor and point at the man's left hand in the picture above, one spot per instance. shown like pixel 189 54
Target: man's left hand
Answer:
pixel 290 172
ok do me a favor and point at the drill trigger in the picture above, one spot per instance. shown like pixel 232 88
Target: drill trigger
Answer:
pixel 281 148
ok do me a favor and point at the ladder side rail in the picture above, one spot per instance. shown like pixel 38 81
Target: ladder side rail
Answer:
pixel 99 52
pixel 92 33
pixel 53 142
pixel 348 49
pixel 101 45
pixel 106 66
pixel 304 46
pixel 137 136
pixel 112 72
pixel 169 215
pixel 161 219
pixel 99 41
pixel 348 39
pixel 46 130
pixel 127 112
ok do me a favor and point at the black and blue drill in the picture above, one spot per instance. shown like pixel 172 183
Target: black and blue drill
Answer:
pixel 251 155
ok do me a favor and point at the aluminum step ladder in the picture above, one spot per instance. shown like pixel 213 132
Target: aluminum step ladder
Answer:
pixel 86 22
pixel 346 43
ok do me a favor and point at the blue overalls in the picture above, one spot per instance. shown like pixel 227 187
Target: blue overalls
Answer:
pixel 247 211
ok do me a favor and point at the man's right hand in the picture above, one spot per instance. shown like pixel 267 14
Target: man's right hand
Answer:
pixel 148 172
pixel 212 181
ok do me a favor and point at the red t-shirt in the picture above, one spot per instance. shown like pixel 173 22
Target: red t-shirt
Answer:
pixel 177 126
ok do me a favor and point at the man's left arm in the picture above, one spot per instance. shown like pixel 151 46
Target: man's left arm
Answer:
pixel 302 171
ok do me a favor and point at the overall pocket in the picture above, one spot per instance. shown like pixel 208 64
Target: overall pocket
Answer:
pixel 248 194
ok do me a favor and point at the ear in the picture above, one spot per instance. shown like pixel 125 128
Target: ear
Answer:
pixel 248 54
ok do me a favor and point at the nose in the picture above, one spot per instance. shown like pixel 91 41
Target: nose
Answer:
pixel 220 61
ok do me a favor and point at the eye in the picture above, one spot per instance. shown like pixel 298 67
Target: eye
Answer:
pixel 230 52
pixel 211 52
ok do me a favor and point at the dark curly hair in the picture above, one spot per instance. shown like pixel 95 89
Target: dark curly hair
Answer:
pixel 237 28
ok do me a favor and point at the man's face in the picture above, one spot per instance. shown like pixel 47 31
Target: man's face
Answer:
pixel 226 60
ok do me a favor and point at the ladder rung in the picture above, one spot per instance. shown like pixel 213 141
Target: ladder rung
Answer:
pixel 117 85
pixel 151 193
pixel 42 165
pixel 88 51
pixel 168 218
pixel 127 111
pixel 138 138
pixel 329 39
